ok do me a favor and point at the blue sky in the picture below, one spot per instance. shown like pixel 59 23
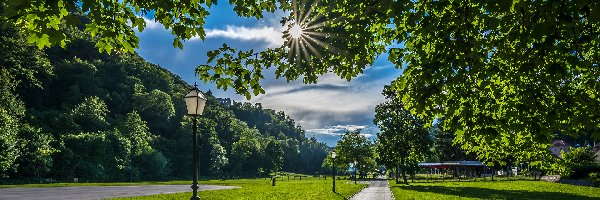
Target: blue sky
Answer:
pixel 325 109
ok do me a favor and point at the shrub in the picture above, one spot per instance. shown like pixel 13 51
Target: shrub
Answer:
pixel 594 177
pixel 579 163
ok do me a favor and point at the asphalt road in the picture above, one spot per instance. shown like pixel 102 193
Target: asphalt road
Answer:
pixel 97 192
pixel 378 189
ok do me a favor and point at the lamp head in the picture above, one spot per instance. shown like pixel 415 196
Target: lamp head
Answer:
pixel 195 102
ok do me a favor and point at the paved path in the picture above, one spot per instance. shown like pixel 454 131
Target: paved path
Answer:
pixel 379 189
pixel 96 192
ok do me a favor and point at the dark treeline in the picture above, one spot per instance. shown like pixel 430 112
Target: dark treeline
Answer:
pixel 75 113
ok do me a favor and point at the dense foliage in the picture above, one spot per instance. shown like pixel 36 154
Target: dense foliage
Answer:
pixel 114 22
pixel 578 163
pixel 355 151
pixel 444 148
pixel 403 141
pixel 76 113
pixel 505 75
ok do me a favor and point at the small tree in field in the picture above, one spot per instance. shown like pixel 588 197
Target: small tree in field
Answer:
pixel 403 141
pixel 354 147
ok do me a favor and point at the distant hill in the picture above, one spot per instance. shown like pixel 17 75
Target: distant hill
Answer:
pixel 76 113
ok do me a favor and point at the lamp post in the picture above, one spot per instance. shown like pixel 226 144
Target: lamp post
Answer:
pixel 355 169
pixel 333 164
pixel 195 103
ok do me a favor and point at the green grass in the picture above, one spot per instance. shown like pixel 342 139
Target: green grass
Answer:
pixel 504 189
pixel 307 188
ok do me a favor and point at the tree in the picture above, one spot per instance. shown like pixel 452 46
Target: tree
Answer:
pixel 578 163
pixel 354 147
pixel 86 99
pixel 218 159
pixel 90 114
pixel 312 154
pixel 246 152
pixel 12 111
pixel 135 130
pixel 36 159
pixel 504 74
pixel 85 156
pixel 114 22
pixel 444 146
pixel 403 141
pixel 273 157
pixel 155 107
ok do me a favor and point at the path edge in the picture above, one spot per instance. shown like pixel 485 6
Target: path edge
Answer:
pixel 390 187
pixel 361 189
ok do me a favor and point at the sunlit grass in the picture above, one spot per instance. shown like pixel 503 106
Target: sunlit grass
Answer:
pixel 504 189
pixel 307 188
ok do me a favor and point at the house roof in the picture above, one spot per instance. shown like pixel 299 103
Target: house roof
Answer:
pixel 446 164
pixel 560 143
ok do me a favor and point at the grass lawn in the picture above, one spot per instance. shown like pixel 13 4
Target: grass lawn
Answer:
pixel 504 189
pixel 307 188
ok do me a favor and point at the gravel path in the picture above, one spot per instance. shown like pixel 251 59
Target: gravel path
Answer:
pixel 97 192
pixel 379 189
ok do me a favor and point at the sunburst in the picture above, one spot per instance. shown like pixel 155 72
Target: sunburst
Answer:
pixel 304 33
pixel 296 31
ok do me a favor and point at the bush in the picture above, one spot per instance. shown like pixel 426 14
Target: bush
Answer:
pixel 579 163
pixel 594 177
pixel 153 166
pixel 583 170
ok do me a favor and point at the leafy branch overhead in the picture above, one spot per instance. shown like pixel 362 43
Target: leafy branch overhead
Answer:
pixel 501 73
pixel 114 22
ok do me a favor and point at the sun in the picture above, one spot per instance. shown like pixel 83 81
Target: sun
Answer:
pixel 304 33
pixel 296 31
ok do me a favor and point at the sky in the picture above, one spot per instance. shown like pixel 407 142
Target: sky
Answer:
pixel 325 110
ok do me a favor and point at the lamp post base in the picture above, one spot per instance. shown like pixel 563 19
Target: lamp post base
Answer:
pixel 195 192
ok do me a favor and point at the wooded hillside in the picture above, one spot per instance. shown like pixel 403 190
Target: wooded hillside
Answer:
pixel 77 113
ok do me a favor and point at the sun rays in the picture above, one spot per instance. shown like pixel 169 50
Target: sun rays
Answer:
pixel 304 34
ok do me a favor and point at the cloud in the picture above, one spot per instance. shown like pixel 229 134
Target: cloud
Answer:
pixel 333 104
pixel 271 35
pixel 151 24
pixel 332 101
pixel 332 134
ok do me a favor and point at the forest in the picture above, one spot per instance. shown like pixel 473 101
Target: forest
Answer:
pixel 74 112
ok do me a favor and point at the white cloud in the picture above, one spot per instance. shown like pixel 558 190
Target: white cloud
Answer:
pixel 271 35
pixel 330 102
pixel 151 24
pixel 332 134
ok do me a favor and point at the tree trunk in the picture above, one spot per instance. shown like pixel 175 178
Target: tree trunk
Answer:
pixel 404 176
pixel 396 173
pixel 403 171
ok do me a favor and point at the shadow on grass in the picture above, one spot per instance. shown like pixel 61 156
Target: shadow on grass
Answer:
pixel 458 181
pixel 341 195
pixel 485 193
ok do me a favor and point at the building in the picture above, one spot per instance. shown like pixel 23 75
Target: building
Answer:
pixel 596 151
pixel 456 168
pixel 225 101
pixel 558 146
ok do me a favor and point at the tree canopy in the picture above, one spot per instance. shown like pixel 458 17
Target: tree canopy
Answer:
pixel 356 150
pixel 506 75
pixel 403 141
pixel 74 112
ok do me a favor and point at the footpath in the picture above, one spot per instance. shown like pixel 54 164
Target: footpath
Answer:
pixel 379 189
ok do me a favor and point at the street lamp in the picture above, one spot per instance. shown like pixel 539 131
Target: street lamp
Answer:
pixel 195 103
pixel 355 169
pixel 333 164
